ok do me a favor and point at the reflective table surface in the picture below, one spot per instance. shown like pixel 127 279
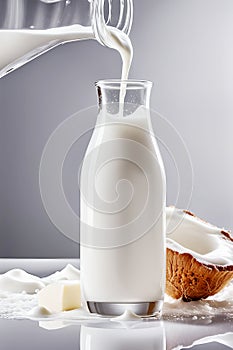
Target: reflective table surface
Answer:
pixel 200 333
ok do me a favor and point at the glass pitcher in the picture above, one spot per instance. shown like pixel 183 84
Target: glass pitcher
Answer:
pixel 29 28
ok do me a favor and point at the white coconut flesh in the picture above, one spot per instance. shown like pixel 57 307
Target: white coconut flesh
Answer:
pixel 207 243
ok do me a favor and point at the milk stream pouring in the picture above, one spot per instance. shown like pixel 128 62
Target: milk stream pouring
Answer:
pixel 30 28
pixel 122 206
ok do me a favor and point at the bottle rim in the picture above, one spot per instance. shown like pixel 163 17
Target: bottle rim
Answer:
pixel 117 84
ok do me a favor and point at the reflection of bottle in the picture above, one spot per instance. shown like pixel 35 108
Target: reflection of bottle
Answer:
pixel 115 337
pixel 123 206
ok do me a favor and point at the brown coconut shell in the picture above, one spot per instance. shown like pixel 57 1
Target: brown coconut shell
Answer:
pixel 189 279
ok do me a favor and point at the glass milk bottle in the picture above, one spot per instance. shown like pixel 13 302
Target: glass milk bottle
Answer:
pixel 122 208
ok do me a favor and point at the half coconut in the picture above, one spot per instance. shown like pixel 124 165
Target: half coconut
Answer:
pixel 199 256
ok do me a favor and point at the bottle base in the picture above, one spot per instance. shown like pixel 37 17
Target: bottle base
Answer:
pixel 141 309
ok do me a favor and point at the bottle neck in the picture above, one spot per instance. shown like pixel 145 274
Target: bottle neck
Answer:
pixel 123 98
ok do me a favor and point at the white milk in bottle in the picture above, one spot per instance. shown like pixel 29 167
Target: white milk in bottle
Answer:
pixel 122 206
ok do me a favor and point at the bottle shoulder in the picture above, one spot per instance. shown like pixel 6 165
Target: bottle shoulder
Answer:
pixel 133 143
pixel 110 132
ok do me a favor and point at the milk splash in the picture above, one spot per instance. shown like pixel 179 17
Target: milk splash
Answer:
pixel 18 303
pixel 224 339
pixel 126 316
pixel 18 299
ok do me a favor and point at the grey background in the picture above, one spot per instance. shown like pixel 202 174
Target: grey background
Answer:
pixel 186 48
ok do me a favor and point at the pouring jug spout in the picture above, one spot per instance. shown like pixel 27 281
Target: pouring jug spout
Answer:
pixel 30 28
